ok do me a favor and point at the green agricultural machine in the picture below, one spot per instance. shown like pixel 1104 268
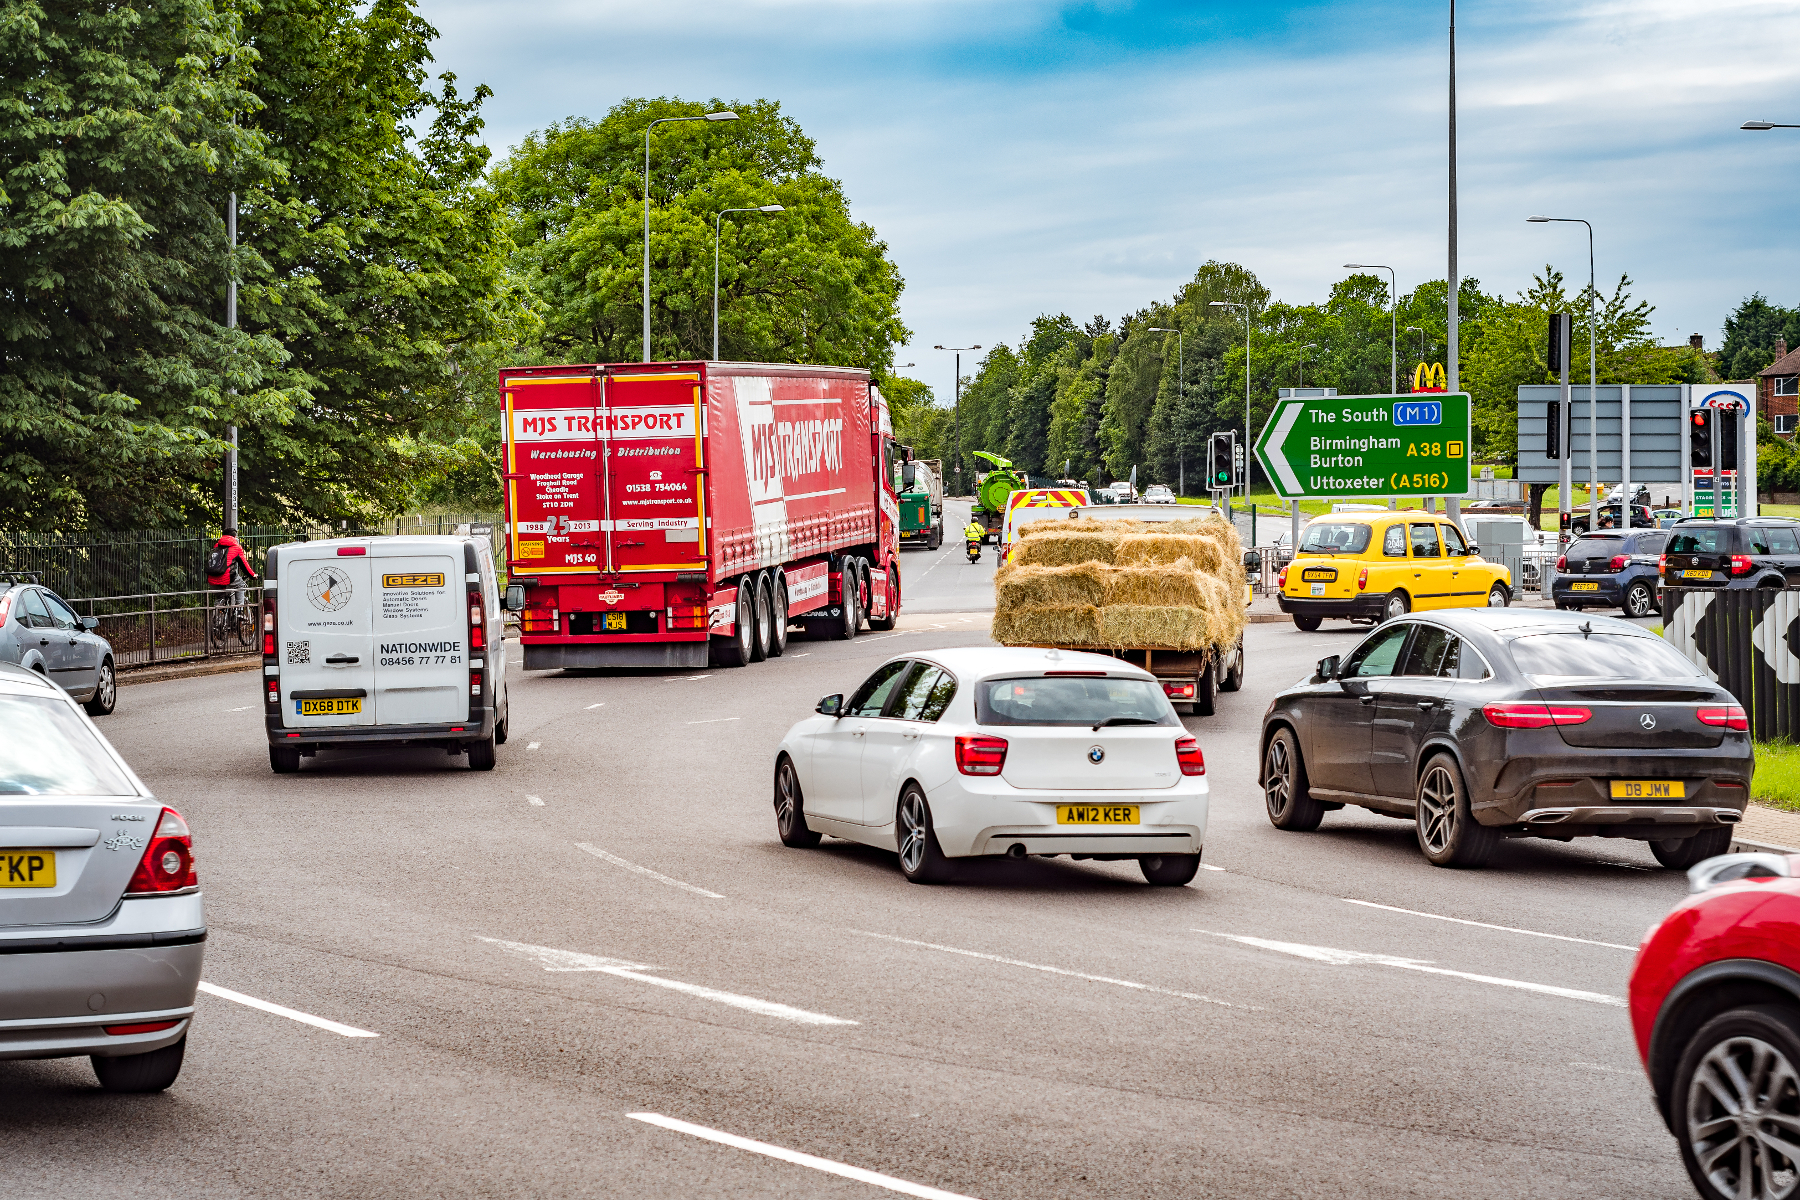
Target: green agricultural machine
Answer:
pixel 990 496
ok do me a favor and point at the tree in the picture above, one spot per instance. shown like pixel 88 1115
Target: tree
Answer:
pixel 805 285
pixel 117 146
pixel 1750 335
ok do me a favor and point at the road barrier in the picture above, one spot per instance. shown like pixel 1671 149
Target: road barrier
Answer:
pixel 1744 639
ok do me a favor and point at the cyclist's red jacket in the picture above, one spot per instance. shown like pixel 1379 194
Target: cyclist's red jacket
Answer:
pixel 234 553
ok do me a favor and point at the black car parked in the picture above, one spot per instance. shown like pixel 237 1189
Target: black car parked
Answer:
pixel 1748 552
pixel 1486 723
pixel 1615 570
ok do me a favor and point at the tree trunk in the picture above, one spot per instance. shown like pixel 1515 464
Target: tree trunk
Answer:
pixel 1537 504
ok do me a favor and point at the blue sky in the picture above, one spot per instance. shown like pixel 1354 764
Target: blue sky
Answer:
pixel 1023 156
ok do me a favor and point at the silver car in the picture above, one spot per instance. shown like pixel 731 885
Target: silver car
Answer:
pixel 102 927
pixel 40 632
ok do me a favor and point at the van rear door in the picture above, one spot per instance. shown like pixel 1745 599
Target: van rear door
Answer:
pixel 421 637
pixel 327 637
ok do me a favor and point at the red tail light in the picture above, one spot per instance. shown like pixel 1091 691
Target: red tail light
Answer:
pixel 274 690
pixel 1662 562
pixel 1281 579
pixel 980 755
pixel 352 551
pixel 141 1027
pixel 477 627
pixel 1741 565
pixel 168 862
pixel 268 607
pixel 6 606
pixel 1618 562
pixel 1362 579
pixel 1562 563
pixel 1731 717
pixel 1173 690
pixel 1187 753
pixel 1535 716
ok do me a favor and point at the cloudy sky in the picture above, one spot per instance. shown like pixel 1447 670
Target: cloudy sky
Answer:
pixel 1027 156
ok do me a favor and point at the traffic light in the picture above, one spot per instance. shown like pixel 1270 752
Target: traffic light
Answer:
pixel 1700 438
pixel 1556 357
pixel 1553 429
pixel 1728 440
pixel 1224 469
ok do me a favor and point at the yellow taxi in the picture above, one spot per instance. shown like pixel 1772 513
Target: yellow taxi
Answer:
pixel 1378 566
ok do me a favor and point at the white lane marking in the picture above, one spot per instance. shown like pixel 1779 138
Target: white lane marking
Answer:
pixel 1210 867
pixel 552 959
pixel 537 800
pixel 591 707
pixel 1344 958
pixel 291 1014
pixel 1484 925
pixel 679 678
pixel 534 745
pixel 794 1156
pixel 246 708
pixel 616 861
pixel 714 720
pixel 885 636
pixel 1013 962
pixel 802 654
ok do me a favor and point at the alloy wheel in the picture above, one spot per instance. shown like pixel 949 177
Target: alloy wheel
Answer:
pixel 1497 597
pixel 1637 600
pixel 1437 810
pixel 108 691
pixel 915 827
pixel 1743 1120
pixel 1396 607
pixel 1278 784
pixel 784 797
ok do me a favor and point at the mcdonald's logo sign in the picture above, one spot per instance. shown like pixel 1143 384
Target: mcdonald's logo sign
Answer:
pixel 1429 377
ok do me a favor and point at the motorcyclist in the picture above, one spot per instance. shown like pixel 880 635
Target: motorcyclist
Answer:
pixel 974 532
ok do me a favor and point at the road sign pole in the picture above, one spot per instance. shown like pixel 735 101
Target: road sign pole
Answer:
pixel 1345 447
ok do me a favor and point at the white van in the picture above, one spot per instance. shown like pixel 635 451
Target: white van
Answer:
pixel 383 639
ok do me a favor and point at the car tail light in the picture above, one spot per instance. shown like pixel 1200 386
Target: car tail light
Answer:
pixel 1362 579
pixel 168 862
pixel 474 683
pixel 268 624
pixel 6 606
pixel 1562 563
pixel 477 628
pixel 1088 674
pixel 352 551
pixel 1187 753
pixel 1618 562
pixel 274 690
pixel 141 1027
pixel 1535 716
pixel 1662 562
pixel 1281 579
pixel 1731 716
pixel 1178 691
pixel 1741 565
pixel 980 755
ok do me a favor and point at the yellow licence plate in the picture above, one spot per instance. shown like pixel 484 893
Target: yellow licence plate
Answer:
pixel 1584 587
pixel 28 868
pixel 1696 574
pixel 335 707
pixel 1649 789
pixel 1319 575
pixel 1096 814
pixel 612 620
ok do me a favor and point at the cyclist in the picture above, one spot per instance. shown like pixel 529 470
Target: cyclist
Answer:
pixel 226 567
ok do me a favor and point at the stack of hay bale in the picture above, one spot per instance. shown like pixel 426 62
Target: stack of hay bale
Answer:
pixel 1175 584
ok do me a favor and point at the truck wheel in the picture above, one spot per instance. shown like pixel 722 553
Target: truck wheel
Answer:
pixel 937 536
pixel 893 611
pixel 1206 689
pixel 481 754
pixel 735 652
pixel 761 602
pixel 1233 679
pixel 852 616
pixel 864 590
pixel 284 760
pixel 778 614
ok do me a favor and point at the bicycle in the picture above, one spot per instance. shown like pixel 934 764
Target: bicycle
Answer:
pixel 230 617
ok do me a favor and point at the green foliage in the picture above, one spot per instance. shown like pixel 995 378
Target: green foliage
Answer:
pixel 805 285
pixel 1750 335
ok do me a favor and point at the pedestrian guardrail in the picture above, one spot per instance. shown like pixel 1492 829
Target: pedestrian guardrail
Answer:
pixel 163 627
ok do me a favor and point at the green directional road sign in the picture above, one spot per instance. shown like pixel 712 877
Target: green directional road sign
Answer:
pixel 1414 445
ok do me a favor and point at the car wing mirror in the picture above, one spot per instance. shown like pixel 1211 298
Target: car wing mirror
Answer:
pixel 90 623
pixel 831 706
pixel 1725 868
pixel 1327 669
pixel 1252 562
pixel 1473 551
pixel 515 597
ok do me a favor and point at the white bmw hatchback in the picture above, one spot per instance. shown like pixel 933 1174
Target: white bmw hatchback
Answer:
pixel 994 751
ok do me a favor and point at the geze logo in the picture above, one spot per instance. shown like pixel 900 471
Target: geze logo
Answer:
pixel 790 449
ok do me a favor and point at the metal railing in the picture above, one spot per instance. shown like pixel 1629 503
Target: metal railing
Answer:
pixel 164 627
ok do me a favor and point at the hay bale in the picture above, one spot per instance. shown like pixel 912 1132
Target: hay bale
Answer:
pixel 1055 525
pixel 1064 550
pixel 1173 586
pixel 1153 625
pixel 1028 586
pixel 1050 625
pixel 1146 549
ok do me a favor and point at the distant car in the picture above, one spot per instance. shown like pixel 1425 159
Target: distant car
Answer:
pixel 1611 569
pixel 1012 752
pixel 1122 492
pixel 1715 1007
pixel 1641 518
pixel 1743 553
pixel 102 927
pixel 1486 724
pixel 1376 567
pixel 1158 493
pixel 40 632
pixel 1665 517
pixel 1500 506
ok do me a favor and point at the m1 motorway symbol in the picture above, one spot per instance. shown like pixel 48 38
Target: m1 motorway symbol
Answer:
pixel 1368 445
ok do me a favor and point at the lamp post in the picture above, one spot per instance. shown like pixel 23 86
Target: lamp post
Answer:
pixel 1452 358
pixel 1421 333
pixel 1766 125
pixel 1393 317
pixel 956 409
pixel 712 116
pixel 1180 404
pixel 717 218
pixel 1246 308
pixel 1593 397
pixel 231 431
pixel 1301 383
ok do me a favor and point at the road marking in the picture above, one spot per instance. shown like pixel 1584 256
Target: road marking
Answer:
pixel 794 1156
pixel 537 800
pixel 714 720
pixel 1013 962
pixel 591 707
pixel 1344 958
pixel 552 959
pixel 533 746
pixel 1484 925
pixel 802 654
pixel 680 678
pixel 616 861
pixel 291 1014
pixel 246 708
pixel 1210 867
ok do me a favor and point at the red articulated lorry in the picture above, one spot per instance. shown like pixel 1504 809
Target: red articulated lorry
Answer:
pixel 686 514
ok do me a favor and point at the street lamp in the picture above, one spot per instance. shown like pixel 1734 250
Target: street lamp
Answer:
pixel 1309 346
pixel 1766 125
pixel 1180 404
pixel 956 409
pixel 720 216
pixel 1593 394
pixel 713 116
pixel 1393 335
pixel 1421 333
pixel 1246 308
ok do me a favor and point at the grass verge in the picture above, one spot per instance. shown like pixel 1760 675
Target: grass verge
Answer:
pixel 1777 782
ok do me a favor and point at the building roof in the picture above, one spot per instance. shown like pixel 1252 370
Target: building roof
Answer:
pixel 1787 364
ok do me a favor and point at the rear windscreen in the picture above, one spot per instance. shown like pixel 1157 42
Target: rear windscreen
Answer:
pixel 1336 537
pixel 1597 547
pixel 1071 700
pixel 1599 656
pixel 49 751
pixel 1714 540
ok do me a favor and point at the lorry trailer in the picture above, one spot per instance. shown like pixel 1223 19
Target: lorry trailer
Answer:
pixel 687 514
pixel 922 502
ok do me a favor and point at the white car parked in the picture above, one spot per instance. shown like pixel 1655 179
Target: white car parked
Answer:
pixel 994 751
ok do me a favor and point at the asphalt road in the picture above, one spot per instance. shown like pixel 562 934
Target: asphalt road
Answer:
pixel 606 925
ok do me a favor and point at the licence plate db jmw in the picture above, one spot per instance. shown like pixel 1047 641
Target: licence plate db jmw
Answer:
pixel 28 868
pixel 1648 789
pixel 1096 814
pixel 337 706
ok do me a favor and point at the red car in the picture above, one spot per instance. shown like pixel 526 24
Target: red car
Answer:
pixel 1715 1006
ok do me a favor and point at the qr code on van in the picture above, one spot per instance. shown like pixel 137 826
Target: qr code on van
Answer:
pixel 299 652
